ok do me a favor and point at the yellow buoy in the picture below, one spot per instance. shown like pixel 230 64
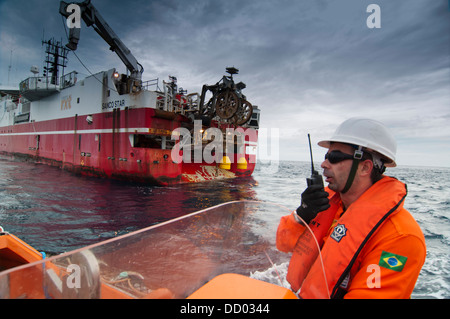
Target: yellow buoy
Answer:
pixel 242 163
pixel 225 163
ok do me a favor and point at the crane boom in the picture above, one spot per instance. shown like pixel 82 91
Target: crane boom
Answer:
pixel 92 17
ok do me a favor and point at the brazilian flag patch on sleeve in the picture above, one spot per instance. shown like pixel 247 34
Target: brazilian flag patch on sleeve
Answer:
pixel 392 261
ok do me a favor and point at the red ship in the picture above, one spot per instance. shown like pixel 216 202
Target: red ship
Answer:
pixel 117 126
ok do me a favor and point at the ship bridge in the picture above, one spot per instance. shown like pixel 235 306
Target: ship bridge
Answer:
pixel 36 88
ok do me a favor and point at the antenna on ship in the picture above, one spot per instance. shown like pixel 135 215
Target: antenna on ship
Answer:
pixel 9 67
pixel 56 57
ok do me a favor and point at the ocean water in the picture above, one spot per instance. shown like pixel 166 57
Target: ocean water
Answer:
pixel 56 211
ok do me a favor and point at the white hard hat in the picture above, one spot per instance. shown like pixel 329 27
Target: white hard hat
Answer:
pixel 368 133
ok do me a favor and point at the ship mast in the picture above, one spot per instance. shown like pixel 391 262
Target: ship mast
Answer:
pixel 56 57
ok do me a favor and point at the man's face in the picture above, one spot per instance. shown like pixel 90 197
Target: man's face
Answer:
pixel 336 174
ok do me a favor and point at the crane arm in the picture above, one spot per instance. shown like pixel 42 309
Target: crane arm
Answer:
pixel 92 17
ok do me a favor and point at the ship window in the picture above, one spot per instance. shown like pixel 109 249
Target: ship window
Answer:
pixel 151 141
pixel 147 141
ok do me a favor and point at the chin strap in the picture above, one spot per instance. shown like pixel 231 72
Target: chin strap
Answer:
pixel 357 156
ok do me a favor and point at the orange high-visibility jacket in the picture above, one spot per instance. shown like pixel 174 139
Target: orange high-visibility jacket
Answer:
pixel 375 249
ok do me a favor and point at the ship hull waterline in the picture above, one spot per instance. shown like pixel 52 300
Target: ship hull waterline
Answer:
pixel 106 145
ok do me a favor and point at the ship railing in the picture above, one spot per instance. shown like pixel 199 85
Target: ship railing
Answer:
pixel 68 80
pixel 193 101
pixel 180 103
pixel 147 85
pixel 36 88
pixel 37 83
pixel 170 101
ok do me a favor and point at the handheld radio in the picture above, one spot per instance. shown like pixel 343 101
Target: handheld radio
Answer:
pixel 316 178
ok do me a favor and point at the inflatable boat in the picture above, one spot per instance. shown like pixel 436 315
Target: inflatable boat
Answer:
pixel 224 252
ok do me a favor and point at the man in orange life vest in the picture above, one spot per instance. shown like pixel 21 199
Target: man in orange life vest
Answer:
pixel 371 246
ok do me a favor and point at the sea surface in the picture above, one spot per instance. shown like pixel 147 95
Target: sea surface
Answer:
pixel 56 211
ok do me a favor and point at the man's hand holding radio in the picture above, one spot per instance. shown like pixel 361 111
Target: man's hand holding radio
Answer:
pixel 314 200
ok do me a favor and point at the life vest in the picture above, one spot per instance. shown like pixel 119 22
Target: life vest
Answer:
pixel 348 237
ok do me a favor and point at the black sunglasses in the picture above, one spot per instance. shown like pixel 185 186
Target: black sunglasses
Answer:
pixel 337 156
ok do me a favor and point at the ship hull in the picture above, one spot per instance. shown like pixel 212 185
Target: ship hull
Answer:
pixel 132 144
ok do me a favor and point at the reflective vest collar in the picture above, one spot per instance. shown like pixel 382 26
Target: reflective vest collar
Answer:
pixel 352 231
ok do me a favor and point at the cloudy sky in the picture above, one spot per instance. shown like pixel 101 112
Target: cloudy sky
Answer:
pixel 307 64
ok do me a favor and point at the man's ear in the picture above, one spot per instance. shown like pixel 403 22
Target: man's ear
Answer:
pixel 366 167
